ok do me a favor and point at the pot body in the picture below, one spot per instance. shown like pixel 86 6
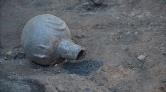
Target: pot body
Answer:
pixel 41 36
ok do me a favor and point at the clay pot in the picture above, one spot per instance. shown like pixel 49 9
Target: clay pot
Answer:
pixel 46 39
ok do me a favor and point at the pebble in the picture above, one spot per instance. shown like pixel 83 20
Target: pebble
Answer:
pixel 97 2
pixel 125 47
pixel 60 88
pixel 136 33
pixel 141 57
pixel 9 53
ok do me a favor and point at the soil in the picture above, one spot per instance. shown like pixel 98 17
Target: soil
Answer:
pixel 125 42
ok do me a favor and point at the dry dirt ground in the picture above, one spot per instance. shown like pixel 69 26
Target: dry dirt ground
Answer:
pixel 125 41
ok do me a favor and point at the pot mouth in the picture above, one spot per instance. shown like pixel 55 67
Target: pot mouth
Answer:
pixel 81 54
pixel 69 50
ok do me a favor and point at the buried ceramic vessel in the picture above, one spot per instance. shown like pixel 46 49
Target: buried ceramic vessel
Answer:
pixel 46 39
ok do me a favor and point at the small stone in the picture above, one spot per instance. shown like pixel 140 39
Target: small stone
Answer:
pixel 87 90
pixel 6 58
pixel 19 55
pixel 136 33
pixel 9 53
pixel 164 53
pixel 60 88
pixel 97 2
pixel 127 33
pixel 125 47
pixel 80 36
pixel 141 57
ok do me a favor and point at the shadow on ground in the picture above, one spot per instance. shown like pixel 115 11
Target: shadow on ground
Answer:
pixel 83 68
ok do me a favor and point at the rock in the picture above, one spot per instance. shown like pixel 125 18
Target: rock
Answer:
pixel 19 55
pixel 9 53
pixel 136 33
pixel 60 88
pixel 141 57
pixel 125 47
pixel 97 2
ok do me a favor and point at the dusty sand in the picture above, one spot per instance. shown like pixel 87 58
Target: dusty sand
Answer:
pixel 115 35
